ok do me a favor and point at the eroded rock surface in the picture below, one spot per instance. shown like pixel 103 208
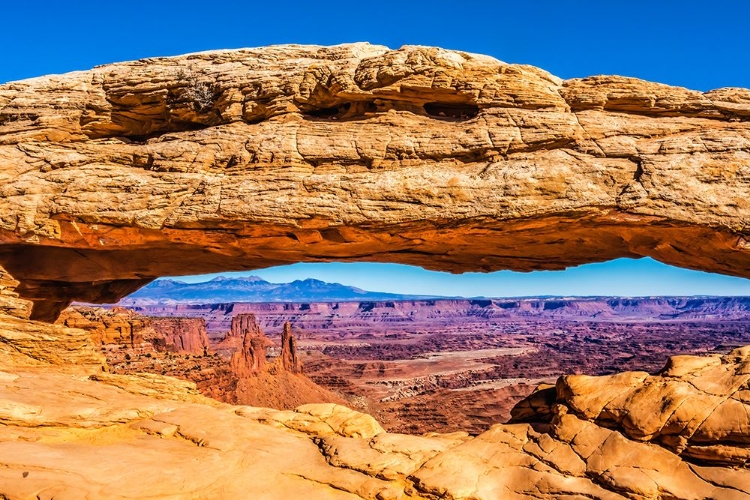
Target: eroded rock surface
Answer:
pixel 250 358
pixel 697 406
pixel 235 372
pixel 121 328
pixel 182 334
pixel 241 159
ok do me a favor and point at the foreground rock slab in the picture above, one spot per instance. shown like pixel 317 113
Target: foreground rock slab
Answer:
pixel 697 406
pixel 242 159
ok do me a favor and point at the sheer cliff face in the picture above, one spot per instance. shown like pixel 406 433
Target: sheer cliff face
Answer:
pixel 183 335
pixel 242 159
pixel 250 358
pixel 124 328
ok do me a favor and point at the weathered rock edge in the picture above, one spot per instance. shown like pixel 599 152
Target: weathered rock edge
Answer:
pixel 241 159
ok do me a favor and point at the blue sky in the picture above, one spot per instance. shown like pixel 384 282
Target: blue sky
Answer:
pixel 700 45
pixel 626 277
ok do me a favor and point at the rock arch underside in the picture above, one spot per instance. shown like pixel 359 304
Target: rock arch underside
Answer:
pixel 242 159
pixel 234 160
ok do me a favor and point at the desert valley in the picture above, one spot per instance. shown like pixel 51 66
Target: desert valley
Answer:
pixel 430 365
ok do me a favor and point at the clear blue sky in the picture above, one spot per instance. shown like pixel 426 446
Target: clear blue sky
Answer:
pixel 700 45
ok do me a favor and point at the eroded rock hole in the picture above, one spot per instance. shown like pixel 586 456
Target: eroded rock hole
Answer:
pixel 454 111
pixel 343 111
pixel 333 112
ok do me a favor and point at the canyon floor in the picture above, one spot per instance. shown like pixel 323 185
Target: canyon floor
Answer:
pixel 462 365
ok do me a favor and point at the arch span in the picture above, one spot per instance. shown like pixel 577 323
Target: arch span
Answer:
pixel 234 160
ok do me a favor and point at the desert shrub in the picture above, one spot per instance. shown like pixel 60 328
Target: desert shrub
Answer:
pixel 199 93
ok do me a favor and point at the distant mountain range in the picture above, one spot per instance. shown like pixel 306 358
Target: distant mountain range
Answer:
pixel 254 289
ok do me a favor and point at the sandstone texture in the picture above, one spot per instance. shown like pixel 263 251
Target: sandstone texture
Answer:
pixel 186 335
pixel 121 328
pixel 248 158
pixel 697 406
pixel 231 160
pixel 117 328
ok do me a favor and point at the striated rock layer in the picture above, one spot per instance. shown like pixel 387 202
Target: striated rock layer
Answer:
pixel 236 372
pixel 240 159
pixel 121 328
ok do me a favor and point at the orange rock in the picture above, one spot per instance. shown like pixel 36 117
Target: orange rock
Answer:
pixel 289 359
pixel 697 406
pixel 182 335
pixel 250 359
pixel 242 159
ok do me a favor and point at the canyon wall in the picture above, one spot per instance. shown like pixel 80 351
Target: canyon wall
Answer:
pixel 184 335
pixel 234 160
pixel 121 327
pixel 321 316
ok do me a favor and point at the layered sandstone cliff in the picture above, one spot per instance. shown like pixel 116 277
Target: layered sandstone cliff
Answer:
pixel 121 328
pixel 241 159
pixel 183 335
pixel 237 371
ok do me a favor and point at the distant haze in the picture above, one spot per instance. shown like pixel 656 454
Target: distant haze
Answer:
pixel 621 277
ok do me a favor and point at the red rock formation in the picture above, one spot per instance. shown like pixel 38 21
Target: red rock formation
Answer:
pixel 182 335
pixel 243 324
pixel 251 358
pixel 289 359
pixel 121 327
pixel 115 327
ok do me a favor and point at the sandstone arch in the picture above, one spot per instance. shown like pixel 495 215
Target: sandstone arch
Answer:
pixel 241 159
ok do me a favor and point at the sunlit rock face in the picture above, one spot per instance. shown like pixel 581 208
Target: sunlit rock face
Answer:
pixel 240 159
